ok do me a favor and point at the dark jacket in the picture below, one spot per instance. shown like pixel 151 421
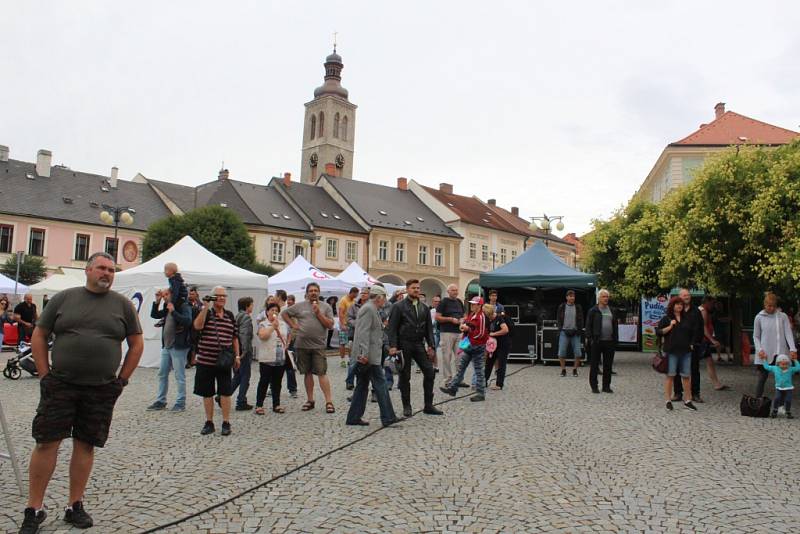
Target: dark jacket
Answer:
pixel 183 326
pixel 578 316
pixel 679 340
pixel 245 325
pixel 696 321
pixel 406 327
pixel 594 325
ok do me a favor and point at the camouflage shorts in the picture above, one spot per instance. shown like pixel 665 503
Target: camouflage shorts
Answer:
pixel 82 412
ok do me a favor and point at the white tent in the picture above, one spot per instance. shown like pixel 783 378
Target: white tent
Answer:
pixel 354 275
pixel 7 286
pixel 294 277
pixel 66 279
pixel 198 267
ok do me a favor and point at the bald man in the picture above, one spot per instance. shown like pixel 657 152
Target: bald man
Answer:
pixel 26 315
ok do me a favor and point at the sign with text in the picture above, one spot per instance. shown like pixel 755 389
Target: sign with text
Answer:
pixel 652 311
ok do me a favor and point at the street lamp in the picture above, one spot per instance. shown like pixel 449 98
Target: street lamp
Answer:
pixel 115 215
pixel 547 223
pixel 494 255
pixel 316 239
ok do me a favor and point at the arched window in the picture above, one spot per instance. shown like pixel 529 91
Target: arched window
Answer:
pixel 321 124
pixel 344 128
pixel 313 126
pixel 336 126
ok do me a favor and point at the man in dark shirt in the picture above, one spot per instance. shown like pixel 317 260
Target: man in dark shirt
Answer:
pixel 79 392
pixel 409 330
pixel 26 315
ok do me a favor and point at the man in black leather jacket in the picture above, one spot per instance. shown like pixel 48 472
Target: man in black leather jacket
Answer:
pixel 409 330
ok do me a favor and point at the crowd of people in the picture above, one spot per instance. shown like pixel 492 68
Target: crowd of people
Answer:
pixel 380 336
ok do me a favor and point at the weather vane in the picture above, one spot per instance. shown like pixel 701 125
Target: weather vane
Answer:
pixel 335 34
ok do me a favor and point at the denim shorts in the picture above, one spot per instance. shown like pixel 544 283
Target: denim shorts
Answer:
pixel 680 363
pixel 569 345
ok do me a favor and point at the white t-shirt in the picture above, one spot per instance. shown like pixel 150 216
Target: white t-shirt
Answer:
pixel 268 348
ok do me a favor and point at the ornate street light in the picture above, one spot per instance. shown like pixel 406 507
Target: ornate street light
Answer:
pixel 547 223
pixel 115 215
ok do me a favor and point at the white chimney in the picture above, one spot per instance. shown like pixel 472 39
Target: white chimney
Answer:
pixel 114 175
pixel 43 160
pixel 3 153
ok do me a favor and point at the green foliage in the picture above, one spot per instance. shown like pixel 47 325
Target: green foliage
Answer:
pixel 601 252
pixel 263 268
pixel 216 228
pixel 31 271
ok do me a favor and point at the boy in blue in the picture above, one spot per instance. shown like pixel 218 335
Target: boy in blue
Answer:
pixel 177 287
pixel 783 383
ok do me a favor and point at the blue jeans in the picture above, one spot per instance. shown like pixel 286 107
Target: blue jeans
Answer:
pixel 351 373
pixel 172 360
pixel 566 342
pixel 241 379
pixel 386 371
pixel 475 356
pixel 679 364
pixel 364 375
pixel 783 397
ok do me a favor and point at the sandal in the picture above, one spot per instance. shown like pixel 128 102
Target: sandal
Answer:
pixel 308 405
pixel 329 407
pixel 259 411
pixel 723 387
pixel 278 409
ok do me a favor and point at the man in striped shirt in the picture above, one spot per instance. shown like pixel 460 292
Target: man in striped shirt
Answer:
pixel 217 328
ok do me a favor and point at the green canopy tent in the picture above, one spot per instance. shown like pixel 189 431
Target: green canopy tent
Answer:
pixel 537 267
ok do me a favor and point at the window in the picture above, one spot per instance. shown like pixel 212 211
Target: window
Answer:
pixel 6 238
pixel 352 251
pixel 277 252
pixel 400 252
pixel 321 124
pixel 332 250
pixel 423 255
pixel 344 128
pixel 36 243
pixel 81 247
pixel 473 251
pixel 111 247
pixel 513 255
pixel 298 251
pixel 485 252
pixel 383 250
pixel 503 255
pixel 438 257
pixel 336 126
pixel 313 126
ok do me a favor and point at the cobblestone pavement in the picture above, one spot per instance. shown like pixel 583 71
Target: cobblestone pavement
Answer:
pixel 545 455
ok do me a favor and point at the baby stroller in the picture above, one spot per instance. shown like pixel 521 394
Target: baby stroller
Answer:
pixel 22 361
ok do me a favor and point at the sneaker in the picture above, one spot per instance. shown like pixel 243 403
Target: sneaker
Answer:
pixel 208 428
pixel 574 372
pixel 789 415
pixel 688 405
pixel 226 428
pixel 77 516
pixel 774 414
pixel 451 392
pixel 608 390
pixel 156 406
pixel 669 405
pixel 563 372
pixel 293 394
pixel 342 363
pixel 32 521
pixel 477 398
pixel 595 390
pixel 407 411
pixel 178 408
pixel 432 410
pixel 243 407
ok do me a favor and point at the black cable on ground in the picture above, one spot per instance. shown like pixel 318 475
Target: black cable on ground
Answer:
pixel 303 466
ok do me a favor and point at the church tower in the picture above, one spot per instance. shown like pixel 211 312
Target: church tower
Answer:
pixel 329 129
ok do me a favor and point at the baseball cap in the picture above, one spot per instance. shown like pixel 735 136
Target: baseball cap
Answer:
pixel 477 300
pixel 377 290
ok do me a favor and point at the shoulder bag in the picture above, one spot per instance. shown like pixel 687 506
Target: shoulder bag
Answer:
pixel 660 363
pixel 225 355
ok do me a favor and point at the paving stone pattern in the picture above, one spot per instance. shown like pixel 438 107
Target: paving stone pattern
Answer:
pixel 545 455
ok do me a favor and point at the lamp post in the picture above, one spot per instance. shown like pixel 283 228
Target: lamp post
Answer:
pixel 494 255
pixel 307 244
pixel 546 223
pixel 115 215
pixel 20 257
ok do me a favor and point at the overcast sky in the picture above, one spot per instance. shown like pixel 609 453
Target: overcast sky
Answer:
pixel 554 107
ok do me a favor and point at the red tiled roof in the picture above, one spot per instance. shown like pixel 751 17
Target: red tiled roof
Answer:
pixel 472 211
pixel 728 128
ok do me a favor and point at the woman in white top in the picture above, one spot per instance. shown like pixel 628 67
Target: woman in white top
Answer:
pixel 772 335
pixel 271 359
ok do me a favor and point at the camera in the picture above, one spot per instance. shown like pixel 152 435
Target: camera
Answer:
pixel 210 298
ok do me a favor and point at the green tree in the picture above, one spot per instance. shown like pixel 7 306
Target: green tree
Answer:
pixel 601 252
pixel 216 228
pixel 31 271
pixel 262 268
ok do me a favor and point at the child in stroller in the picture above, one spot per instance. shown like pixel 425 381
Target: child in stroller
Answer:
pixel 23 360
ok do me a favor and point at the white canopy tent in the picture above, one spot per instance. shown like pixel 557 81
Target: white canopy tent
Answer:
pixel 295 276
pixel 66 279
pixel 355 276
pixel 7 285
pixel 198 267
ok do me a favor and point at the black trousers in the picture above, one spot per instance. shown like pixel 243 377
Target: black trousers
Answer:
pixel 500 356
pixel 677 385
pixel 604 350
pixel 763 375
pixel 272 376
pixel 416 351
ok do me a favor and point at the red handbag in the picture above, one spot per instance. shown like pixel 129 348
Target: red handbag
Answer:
pixel 660 363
